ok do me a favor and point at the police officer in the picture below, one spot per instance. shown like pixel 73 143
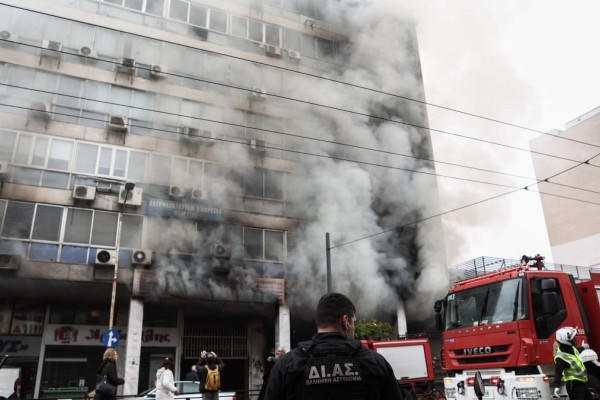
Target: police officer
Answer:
pixel 333 365
pixel 568 365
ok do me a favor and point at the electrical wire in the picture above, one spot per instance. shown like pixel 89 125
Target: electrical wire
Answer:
pixel 320 78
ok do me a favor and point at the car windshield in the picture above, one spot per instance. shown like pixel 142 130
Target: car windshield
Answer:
pixel 494 303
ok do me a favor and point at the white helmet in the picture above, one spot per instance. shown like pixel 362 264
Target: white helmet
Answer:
pixel 566 335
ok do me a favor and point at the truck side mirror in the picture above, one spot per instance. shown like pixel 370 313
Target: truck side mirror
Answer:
pixel 437 307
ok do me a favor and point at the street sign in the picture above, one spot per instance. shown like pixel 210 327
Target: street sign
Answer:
pixel 111 338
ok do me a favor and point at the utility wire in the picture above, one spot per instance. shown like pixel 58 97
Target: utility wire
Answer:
pixel 343 110
pixel 320 78
pixel 478 202
pixel 274 131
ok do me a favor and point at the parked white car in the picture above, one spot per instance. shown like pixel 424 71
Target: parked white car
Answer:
pixel 188 390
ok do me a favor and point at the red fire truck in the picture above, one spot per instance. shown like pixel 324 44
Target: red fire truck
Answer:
pixel 502 323
pixel 412 362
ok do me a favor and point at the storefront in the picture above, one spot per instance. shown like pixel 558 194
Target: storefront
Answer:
pixel 73 353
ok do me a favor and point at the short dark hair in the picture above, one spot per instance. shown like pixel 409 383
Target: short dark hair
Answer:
pixel 331 307
pixel 210 359
pixel 168 363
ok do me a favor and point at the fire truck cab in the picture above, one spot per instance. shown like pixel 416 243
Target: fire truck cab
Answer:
pixel 502 324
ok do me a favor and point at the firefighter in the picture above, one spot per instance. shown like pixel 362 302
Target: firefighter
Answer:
pixel 568 365
pixel 333 365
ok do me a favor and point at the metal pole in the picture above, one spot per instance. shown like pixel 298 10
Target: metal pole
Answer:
pixel 114 282
pixel 128 187
pixel 328 253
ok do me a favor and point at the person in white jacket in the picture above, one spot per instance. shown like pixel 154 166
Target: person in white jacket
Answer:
pixel 165 383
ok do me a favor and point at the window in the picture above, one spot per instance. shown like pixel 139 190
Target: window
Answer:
pixel 78 313
pixel 255 31
pixel 17 220
pixel 239 26
pixel 253 243
pixel 28 318
pixel 264 183
pixel 131 231
pixel 263 244
pixel 274 245
pixel 272 35
pixel 198 15
pixel 47 223
pixel 104 228
pixel 87 155
pixel 179 10
pixel 78 224
pixel 7 138
pixel 218 21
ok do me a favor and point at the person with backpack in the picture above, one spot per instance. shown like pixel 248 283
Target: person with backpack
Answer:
pixel 209 370
pixel 333 365
pixel 165 382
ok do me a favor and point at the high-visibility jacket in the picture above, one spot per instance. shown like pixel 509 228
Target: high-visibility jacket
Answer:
pixel 576 370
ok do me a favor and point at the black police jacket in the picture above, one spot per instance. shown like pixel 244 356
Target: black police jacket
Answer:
pixel 332 367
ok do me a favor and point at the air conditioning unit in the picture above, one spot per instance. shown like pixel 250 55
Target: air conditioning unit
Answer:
pixel 157 71
pixel 82 192
pixel 258 93
pixel 88 52
pixel 118 123
pixel 141 257
pixel 40 110
pixel 8 36
pixel 294 55
pixel 3 169
pixel 258 145
pixel 10 262
pixel 198 194
pixel 220 250
pixel 50 48
pixel 273 51
pixel 127 62
pixel 187 132
pixel 134 196
pixel 105 257
pixel 176 191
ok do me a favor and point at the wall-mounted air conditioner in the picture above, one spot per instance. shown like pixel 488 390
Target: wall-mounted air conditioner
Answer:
pixel 9 36
pixel 86 51
pixel 176 191
pixel 141 257
pixel 198 194
pixel 294 55
pixel 50 48
pixel 10 262
pixel 273 51
pixel 105 257
pixel 158 71
pixel 207 134
pixel 259 93
pixel 258 145
pixel 127 62
pixel 82 192
pixel 134 196
pixel 40 110
pixel 220 250
pixel 118 123
pixel 3 169
pixel 186 132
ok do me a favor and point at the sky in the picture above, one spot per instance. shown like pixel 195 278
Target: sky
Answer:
pixel 529 63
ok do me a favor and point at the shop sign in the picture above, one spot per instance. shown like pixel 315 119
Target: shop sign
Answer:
pixel 21 346
pixel 273 286
pixel 89 335
pixel 184 210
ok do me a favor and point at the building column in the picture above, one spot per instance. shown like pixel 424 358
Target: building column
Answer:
pixel 133 347
pixel 282 332
pixel 401 315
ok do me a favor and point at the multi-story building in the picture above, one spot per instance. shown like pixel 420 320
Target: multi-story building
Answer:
pixel 573 226
pixel 169 169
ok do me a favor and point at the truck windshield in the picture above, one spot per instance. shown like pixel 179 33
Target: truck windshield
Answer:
pixel 494 303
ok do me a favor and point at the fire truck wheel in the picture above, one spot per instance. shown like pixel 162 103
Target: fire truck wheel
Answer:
pixel 593 387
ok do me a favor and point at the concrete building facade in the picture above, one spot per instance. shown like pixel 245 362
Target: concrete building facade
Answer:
pixel 161 165
pixel 573 226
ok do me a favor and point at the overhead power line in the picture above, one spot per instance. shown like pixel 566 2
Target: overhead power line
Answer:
pixel 349 84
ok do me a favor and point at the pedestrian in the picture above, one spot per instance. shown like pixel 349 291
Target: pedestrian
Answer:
pixel 165 383
pixel 333 365
pixel 210 375
pixel 280 352
pixel 108 369
pixel 568 365
pixel 192 375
